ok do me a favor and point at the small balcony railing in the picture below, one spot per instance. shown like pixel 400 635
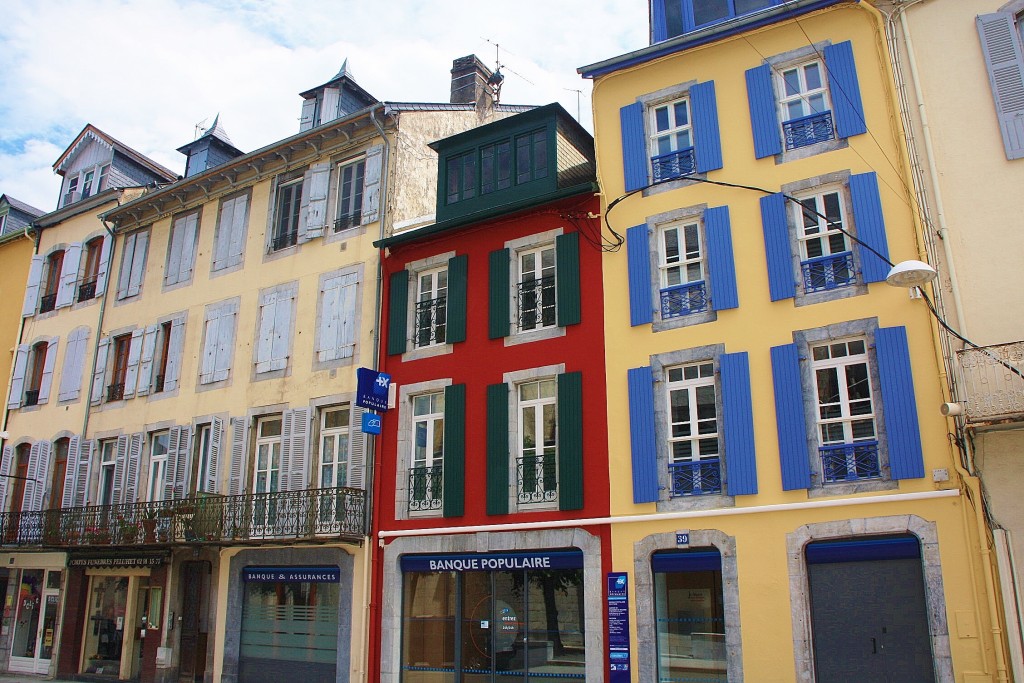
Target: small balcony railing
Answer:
pixel 847 462
pixel 271 517
pixel 349 220
pixel 676 164
pixel 992 384
pixel 31 397
pixel 431 316
pixel 695 477
pixel 47 302
pixel 115 392
pixel 537 480
pixel 537 303
pixel 808 130
pixel 685 299
pixel 824 273
pixel 158 384
pixel 426 486
pixel 284 240
pixel 87 290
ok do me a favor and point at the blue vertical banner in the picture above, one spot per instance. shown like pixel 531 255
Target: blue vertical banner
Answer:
pixel 372 389
pixel 618 627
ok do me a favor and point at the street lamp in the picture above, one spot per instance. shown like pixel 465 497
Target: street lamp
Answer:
pixel 910 274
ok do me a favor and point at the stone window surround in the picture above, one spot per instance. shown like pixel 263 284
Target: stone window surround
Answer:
pixel 406 392
pixel 414 269
pixel 655 224
pixel 535 241
pixel 512 380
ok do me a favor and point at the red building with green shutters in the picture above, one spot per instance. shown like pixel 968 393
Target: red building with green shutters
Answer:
pixel 496 448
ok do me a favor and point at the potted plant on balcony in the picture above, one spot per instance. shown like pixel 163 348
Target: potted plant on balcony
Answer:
pixel 97 535
pixel 129 529
pixel 149 525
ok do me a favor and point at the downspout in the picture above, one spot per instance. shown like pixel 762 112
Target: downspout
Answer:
pixel 17 340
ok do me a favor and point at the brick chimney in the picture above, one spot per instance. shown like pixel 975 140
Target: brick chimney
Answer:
pixel 469 82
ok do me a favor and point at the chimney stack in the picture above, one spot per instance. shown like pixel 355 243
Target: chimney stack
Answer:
pixel 469 82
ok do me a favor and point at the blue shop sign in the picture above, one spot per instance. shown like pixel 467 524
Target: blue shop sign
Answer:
pixel 371 423
pixel 372 389
pixel 484 562
pixel 326 574
pixel 618 628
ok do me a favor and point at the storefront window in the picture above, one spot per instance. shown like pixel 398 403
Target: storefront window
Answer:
pixel 26 624
pixel 690 617
pixel 489 620
pixel 104 632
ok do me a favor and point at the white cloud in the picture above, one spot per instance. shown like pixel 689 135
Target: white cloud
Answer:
pixel 147 73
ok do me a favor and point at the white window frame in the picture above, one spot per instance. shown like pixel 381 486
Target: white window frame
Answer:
pixel 354 197
pixel 272 445
pixel 674 269
pixel 671 133
pixel 702 375
pixel 293 220
pixel 532 412
pixel 428 414
pixel 107 447
pixel 203 443
pixel 537 253
pixel 845 418
pixel 429 292
pixel 407 443
pixel 810 100
pixel 334 440
pixel 158 465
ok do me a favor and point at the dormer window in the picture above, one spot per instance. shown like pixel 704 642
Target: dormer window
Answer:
pixel 71 195
pixel 87 183
pixel 684 16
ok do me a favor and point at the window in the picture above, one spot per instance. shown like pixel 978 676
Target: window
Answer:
pixel 133 264
pixel 431 307
pixel 87 286
pixel 35 377
pixel 32 374
pixel 840 408
pixel 108 468
pixel 536 289
pixel 810 255
pixel 670 134
pixel 1001 37
pixel 158 448
pixel 61 447
pixel 334 447
pixel 274 329
pixel 694 466
pixel 181 249
pixel 683 290
pixel 229 241
pixel 74 363
pixel 163 354
pixel 461 177
pixel 87 178
pixel 338 309
pixel 805 98
pixel 218 341
pixel 119 371
pixel 672 18
pixel 426 471
pixel 531 156
pixel 72 195
pixel 285 231
pixel 101 182
pixel 537 464
pixel 206 442
pixel 54 266
pixel 267 467
pixel 350 195
pixel 495 167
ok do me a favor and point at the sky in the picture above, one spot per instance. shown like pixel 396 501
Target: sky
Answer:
pixel 148 72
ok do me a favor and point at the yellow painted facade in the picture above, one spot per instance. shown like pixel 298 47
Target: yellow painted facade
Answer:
pixel 15 255
pixel 773 617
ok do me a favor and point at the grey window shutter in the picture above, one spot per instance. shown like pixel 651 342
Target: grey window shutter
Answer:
pixel 307 179
pixel 71 467
pixel 101 370
pixel 174 250
pixel 33 482
pixel 43 474
pixel 285 464
pixel 125 275
pixel 265 335
pixel 83 471
pixel 327 329
pixel 131 475
pixel 210 343
pixel 171 466
pixel 357 445
pixel 319 183
pixel 46 381
pixel 35 275
pixel 188 247
pixel 18 376
pixel 308 110
pixel 329 108
pixel 180 453
pixel 131 375
pixel 172 372
pixel 280 342
pixel 120 460
pixel 101 274
pixel 1004 60
pixel 371 183
pixel 295 449
pixel 225 343
pixel 74 361
pixel 211 485
pixel 146 360
pixel 222 238
pixel 239 221
pixel 6 462
pixel 239 431
pixel 138 265
pixel 69 275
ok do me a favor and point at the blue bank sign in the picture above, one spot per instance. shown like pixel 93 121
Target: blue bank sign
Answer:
pixel 372 389
pixel 481 562
pixel 292 574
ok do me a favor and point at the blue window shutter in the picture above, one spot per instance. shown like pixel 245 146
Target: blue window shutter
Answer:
pixel 867 217
pixel 789 418
pixel 659 25
pixel 638 262
pixel 721 268
pixel 642 439
pixel 634 146
pixel 707 138
pixel 764 119
pixel 843 88
pixel 899 403
pixel 778 251
pixel 1004 60
pixel 738 424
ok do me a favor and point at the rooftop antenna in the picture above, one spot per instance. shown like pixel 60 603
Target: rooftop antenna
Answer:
pixel 200 129
pixel 498 78
pixel 578 93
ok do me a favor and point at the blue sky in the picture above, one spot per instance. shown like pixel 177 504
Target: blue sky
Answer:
pixel 148 72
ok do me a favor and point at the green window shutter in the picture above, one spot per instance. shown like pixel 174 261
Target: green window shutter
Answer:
pixel 398 303
pixel 454 491
pixel 458 284
pixel 567 278
pixel 499 310
pixel 570 441
pixel 497 449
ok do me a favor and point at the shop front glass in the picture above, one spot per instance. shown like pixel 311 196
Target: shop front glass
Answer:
pixel 35 620
pixel 105 630
pixel 485 618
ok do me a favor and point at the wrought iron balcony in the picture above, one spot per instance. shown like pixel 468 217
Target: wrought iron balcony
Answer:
pixel 349 220
pixel 47 302
pixel 695 477
pixel 808 130
pixel 537 303
pixel 31 397
pixel 284 240
pixel 87 290
pixel 158 384
pixel 847 462
pixel 685 299
pixel 279 517
pixel 676 164
pixel 993 391
pixel 537 478
pixel 824 273
pixel 426 487
pixel 115 392
pixel 431 316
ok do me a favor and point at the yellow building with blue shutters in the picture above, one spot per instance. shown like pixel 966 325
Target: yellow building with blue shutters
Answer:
pixel 789 506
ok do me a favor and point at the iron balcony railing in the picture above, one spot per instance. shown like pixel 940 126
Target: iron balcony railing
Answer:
pixel 846 462
pixel 537 303
pixel 431 316
pixel 87 290
pixel 808 130
pixel 47 302
pixel 31 397
pixel 992 384
pixel 823 273
pixel 281 517
pixel 115 392
pixel 426 487
pixel 695 477
pixel 676 164
pixel 349 220
pixel 284 240
pixel 537 478
pixel 684 299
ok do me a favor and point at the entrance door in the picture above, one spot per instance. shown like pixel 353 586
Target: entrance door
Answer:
pixel 868 612
pixel 192 665
pixel 105 629
pixel 35 621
